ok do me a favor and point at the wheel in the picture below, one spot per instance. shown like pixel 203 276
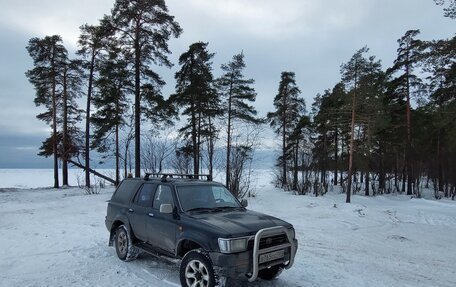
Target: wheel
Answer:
pixel 196 270
pixel 124 247
pixel 270 273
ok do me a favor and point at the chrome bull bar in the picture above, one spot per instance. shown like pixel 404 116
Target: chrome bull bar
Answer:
pixel 292 244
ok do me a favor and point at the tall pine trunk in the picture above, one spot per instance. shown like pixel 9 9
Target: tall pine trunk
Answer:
pixel 404 178
pixel 137 103
pixel 368 169
pixel 54 122
pixel 351 148
pixel 194 139
pixel 324 165
pixel 284 143
pixel 295 165
pixel 439 164
pixel 228 138
pixel 284 159
pixel 336 140
pixel 381 176
pixel 409 136
pixel 303 177
pixel 211 149
pixel 117 145
pixel 65 130
pixel 117 156
pixel 396 172
pixel 125 163
pixel 87 123
pixel 198 147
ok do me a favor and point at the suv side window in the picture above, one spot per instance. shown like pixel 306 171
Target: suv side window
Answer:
pixel 145 195
pixel 163 195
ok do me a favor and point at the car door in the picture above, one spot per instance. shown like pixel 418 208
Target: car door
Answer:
pixel 139 208
pixel 161 228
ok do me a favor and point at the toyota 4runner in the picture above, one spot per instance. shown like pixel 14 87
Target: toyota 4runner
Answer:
pixel 200 224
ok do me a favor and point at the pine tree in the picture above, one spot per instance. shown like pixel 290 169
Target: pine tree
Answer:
pixel 288 110
pixel 331 117
pixel 439 62
pixel 111 101
pixel 406 85
pixel 71 115
pixel 237 93
pixel 371 120
pixel 144 28
pixel 352 72
pixel 91 42
pixel 296 138
pixel 195 94
pixel 49 56
pixel 339 120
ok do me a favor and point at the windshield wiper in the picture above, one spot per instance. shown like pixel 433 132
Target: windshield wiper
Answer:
pixel 200 209
pixel 222 208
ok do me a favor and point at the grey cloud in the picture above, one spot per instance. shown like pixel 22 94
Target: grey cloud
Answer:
pixel 19 151
pixel 310 37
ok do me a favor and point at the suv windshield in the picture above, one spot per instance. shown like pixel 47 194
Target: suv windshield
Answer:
pixel 205 197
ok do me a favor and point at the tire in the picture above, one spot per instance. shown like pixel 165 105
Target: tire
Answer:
pixel 124 247
pixel 196 269
pixel 270 273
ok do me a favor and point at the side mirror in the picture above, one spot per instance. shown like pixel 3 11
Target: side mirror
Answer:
pixel 166 208
pixel 244 202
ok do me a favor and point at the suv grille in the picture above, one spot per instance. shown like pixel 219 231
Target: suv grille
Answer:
pixel 270 241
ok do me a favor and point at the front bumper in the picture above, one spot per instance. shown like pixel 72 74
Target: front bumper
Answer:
pixel 247 263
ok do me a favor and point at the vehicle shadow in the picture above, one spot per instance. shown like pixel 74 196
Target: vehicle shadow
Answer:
pixel 165 269
pixel 279 282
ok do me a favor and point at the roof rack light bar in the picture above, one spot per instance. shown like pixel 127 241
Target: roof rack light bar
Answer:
pixel 164 176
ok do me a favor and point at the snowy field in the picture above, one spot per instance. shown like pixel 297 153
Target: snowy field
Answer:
pixel 36 178
pixel 58 238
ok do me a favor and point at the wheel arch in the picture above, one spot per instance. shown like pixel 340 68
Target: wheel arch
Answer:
pixel 187 244
pixel 115 224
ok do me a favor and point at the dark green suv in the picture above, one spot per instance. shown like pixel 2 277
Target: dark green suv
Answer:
pixel 200 224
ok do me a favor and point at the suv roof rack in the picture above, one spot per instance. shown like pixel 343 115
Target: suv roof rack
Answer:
pixel 165 176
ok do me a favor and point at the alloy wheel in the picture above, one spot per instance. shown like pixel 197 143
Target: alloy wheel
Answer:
pixel 196 274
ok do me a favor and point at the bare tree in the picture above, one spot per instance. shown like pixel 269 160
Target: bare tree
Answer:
pixel 183 160
pixel 156 151
pixel 125 145
pixel 244 144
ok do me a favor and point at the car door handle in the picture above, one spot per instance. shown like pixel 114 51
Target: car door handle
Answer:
pixel 130 210
pixel 151 214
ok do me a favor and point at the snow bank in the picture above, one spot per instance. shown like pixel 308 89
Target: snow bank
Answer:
pixel 58 238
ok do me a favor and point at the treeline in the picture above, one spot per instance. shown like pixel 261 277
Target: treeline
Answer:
pixel 376 131
pixel 113 70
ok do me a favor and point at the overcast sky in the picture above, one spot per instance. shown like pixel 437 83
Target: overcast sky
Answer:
pixel 309 37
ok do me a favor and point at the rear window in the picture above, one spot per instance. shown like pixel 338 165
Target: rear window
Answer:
pixel 145 195
pixel 125 191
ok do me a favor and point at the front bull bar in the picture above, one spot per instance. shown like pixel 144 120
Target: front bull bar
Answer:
pixel 292 244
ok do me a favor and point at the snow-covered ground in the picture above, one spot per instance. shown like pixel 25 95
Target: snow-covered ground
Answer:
pixel 57 238
pixel 35 178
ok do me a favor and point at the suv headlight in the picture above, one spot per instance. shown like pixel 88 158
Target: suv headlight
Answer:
pixel 232 245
